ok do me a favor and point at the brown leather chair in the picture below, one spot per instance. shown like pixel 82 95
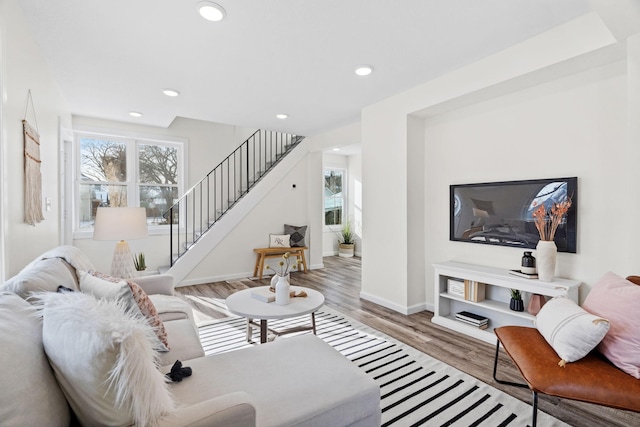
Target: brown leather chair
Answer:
pixel 592 379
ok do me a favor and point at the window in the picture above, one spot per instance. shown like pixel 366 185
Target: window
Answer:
pixel 117 172
pixel 334 197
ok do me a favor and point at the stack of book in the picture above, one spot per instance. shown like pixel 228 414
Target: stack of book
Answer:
pixel 473 319
pixel 520 273
pixel 474 291
pixel 263 294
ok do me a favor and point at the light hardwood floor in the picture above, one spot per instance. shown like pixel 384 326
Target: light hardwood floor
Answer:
pixel 340 280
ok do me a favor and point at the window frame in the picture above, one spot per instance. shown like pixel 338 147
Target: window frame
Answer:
pixel 335 227
pixel 132 142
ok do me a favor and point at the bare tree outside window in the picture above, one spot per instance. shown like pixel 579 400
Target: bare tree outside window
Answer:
pixel 158 169
pixel 103 180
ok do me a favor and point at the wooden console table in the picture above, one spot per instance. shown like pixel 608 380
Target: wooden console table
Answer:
pixel 263 253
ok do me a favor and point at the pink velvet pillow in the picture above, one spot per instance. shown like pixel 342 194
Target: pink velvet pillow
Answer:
pixel 618 300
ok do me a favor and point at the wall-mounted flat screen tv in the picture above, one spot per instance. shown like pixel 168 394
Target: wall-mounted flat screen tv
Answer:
pixel 501 213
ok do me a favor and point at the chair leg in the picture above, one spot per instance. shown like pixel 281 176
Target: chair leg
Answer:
pixel 535 409
pixel 495 369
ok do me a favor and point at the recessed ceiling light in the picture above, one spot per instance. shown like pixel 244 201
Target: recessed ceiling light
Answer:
pixel 281 116
pixel 363 70
pixel 211 11
pixel 336 149
pixel 135 114
pixel 170 92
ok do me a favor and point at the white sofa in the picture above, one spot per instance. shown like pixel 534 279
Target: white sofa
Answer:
pixel 297 381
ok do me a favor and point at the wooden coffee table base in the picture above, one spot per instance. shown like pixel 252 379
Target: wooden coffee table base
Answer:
pixel 264 329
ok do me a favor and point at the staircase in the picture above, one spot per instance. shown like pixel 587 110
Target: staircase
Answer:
pixel 206 203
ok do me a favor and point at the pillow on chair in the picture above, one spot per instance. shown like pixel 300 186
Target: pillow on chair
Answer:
pixel 617 299
pixel 569 329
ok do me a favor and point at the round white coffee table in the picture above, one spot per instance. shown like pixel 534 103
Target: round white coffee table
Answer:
pixel 243 304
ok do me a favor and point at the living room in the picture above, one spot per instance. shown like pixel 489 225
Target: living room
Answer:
pixel 561 103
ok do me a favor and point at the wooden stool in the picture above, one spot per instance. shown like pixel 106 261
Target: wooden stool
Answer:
pixel 263 253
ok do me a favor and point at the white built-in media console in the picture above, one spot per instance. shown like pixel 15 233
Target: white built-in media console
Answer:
pixel 497 293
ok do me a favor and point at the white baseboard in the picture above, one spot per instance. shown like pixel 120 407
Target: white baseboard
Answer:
pixel 416 308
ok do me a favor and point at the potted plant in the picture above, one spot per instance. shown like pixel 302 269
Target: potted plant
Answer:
pixel 347 244
pixel 516 303
pixel 139 262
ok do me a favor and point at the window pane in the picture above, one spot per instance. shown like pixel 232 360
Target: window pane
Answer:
pixel 93 196
pixel 333 181
pixel 157 200
pixel 158 164
pixel 333 197
pixel 103 160
pixel 333 216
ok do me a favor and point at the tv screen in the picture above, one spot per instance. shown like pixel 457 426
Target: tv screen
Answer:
pixel 501 213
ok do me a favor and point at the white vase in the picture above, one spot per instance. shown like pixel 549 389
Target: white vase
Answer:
pixel 274 280
pixel 546 254
pixel 282 291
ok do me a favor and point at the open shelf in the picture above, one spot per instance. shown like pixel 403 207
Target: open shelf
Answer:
pixel 495 306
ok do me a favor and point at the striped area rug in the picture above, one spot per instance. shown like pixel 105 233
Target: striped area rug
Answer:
pixel 416 389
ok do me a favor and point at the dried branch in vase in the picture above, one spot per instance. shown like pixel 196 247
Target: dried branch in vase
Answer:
pixel 547 221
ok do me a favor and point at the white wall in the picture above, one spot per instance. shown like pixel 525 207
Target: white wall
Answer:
pixel 574 126
pixel 388 143
pixel 354 202
pixel 23 67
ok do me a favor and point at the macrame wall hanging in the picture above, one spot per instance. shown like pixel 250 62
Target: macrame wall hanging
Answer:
pixel 32 175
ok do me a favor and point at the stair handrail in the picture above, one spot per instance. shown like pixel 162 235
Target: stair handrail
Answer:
pixel 274 157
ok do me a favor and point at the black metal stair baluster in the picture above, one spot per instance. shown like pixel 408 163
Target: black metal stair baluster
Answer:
pixel 261 151
pixel 171 236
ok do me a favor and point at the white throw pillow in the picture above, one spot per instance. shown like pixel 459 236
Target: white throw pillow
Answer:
pixel 279 240
pixel 29 392
pixel 569 329
pixel 42 275
pixel 101 285
pixel 103 358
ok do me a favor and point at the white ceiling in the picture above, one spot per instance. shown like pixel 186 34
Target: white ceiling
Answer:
pixel 269 56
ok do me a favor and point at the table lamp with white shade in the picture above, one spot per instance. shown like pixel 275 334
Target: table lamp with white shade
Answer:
pixel 121 224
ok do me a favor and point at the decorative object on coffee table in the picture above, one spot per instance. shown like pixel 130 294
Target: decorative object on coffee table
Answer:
pixel 281 276
pixel 516 303
pixel 282 291
pixel 547 222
